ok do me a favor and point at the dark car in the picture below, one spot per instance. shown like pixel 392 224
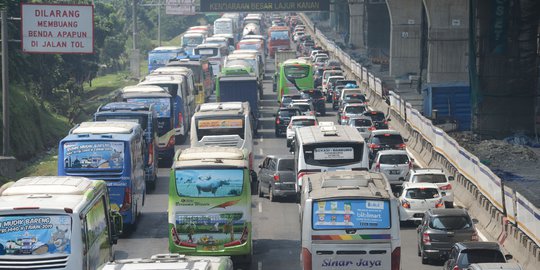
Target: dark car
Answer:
pixel 283 116
pixel 440 230
pixel 385 139
pixel 276 177
pixel 317 98
pixel 378 118
pixel 317 76
pixel 286 100
pixel 463 254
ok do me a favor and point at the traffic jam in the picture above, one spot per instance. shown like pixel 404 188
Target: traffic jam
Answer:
pixel 199 115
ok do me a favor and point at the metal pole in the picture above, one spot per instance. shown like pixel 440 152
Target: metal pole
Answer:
pixel 134 18
pixel 159 24
pixel 5 85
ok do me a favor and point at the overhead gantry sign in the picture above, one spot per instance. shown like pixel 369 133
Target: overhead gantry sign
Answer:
pixel 263 5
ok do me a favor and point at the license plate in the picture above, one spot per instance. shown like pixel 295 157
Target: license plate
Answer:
pixel 395 171
pixel 418 215
pixel 210 248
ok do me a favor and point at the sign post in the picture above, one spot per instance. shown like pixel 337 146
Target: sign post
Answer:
pixel 57 28
pixel 180 7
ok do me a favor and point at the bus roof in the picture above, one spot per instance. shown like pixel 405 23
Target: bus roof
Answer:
pixel 164 78
pixel 105 127
pixel 323 134
pixel 124 106
pixel 348 184
pixel 49 192
pixel 238 107
pixel 210 46
pixel 167 49
pixel 296 61
pixel 143 88
pixel 211 156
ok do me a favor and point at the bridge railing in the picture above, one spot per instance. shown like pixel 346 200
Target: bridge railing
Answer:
pixel 519 211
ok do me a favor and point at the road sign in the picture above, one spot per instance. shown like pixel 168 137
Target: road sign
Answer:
pixel 57 28
pixel 180 7
pixel 264 5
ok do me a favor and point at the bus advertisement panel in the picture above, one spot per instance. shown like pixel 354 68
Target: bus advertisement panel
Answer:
pixel 94 155
pixel 351 214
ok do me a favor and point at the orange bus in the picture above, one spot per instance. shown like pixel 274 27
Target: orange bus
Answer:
pixel 278 39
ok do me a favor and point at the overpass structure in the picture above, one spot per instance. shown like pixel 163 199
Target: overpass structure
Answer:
pixel 490 46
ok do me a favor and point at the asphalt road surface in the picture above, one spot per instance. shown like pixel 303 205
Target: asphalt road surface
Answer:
pixel 276 228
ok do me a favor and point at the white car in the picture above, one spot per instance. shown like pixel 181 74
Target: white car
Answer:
pixel 299 121
pixel 298 35
pixel 305 106
pixel 395 164
pixel 332 78
pixel 437 177
pixel 416 199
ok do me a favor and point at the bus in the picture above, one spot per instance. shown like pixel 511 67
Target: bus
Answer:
pixel 110 151
pixel 160 56
pixel 190 40
pixel 225 26
pixel 215 53
pixel 202 71
pixel 146 116
pixel 209 210
pixel 328 148
pixel 349 220
pixel 295 75
pixel 278 39
pixel 224 124
pixel 163 103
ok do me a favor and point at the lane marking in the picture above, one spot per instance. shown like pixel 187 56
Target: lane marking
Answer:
pixel 262 138
pixel 259 265
pixel 260 151
pixel 260 207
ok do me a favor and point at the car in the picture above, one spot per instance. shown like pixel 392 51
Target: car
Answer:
pixel 379 119
pixel 463 254
pixel 320 60
pixel 299 121
pixel 329 85
pixel 495 266
pixel 384 139
pixel 317 98
pixel 363 124
pixel 327 73
pixel 297 35
pixel 305 106
pixel 441 229
pixel 336 93
pixel 394 164
pixel 282 118
pixel 416 198
pixel 286 100
pixel 317 76
pixel 437 177
pixel 276 177
pixel 351 110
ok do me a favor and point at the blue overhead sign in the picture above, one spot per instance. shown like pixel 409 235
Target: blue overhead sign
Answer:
pixel 263 5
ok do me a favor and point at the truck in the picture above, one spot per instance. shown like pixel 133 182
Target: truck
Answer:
pixel 237 84
pixel 280 57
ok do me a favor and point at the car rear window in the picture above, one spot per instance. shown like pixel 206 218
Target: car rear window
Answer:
pixel 354 96
pixel 286 165
pixel 355 109
pixel 480 256
pixel 303 122
pixel 429 178
pixel 361 122
pixel 314 94
pixel 422 193
pixel 303 107
pixel 390 139
pixel 376 116
pixel 451 223
pixel 288 113
pixel 394 159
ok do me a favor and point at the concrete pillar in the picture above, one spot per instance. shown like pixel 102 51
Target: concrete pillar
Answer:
pixel 332 13
pixel 356 25
pixel 405 29
pixel 447 40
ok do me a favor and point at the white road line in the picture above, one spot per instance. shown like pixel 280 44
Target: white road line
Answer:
pixel 260 151
pixel 260 207
pixel 259 265
pixel 262 138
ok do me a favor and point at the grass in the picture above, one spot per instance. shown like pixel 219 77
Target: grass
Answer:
pixel 45 166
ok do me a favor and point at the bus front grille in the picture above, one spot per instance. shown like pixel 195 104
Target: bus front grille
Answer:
pixel 33 263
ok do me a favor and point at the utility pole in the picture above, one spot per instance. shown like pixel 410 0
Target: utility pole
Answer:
pixel 135 57
pixel 159 25
pixel 5 85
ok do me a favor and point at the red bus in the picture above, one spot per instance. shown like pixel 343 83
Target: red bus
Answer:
pixel 278 39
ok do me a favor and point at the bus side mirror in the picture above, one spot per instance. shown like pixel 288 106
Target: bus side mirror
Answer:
pixel 117 226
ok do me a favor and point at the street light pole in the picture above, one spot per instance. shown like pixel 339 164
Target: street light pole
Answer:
pixel 5 85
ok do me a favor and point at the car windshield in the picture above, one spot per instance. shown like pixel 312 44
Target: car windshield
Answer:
pixel 394 159
pixel 429 178
pixel 303 122
pixel 355 109
pixel 286 165
pixel 451 223
pixel 421 193
pixel 480 256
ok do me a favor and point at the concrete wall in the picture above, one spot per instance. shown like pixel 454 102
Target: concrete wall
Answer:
pixel 356 24
pixel 405 21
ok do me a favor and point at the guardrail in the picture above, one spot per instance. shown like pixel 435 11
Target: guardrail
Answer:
pixel 479 180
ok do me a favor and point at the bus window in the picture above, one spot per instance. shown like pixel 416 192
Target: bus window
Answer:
pixel 217 127
pixel 296 72
pixel 212 183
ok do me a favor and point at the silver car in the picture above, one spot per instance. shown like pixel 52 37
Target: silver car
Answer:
pixel 351 110
pixel 363 124
pixel 394 164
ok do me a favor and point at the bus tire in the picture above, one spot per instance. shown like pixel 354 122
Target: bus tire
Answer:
pixel 151 185
pixel 179 139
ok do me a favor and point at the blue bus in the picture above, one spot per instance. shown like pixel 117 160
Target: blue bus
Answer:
pixel 110 151
pixel 167 113
pixel 160 56
pixel 146 116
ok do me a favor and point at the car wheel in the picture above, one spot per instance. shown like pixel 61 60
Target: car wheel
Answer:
pixel 425 260
pixel 418 249
pixel 259 191
pixel 271 195
pixel 277 133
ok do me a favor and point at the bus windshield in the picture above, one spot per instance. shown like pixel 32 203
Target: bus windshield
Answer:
pixel 192 41
pixel 333 154
pixel 249 46
pixel 296 71
pixel 207 52
pixel 343 214
pixel 161 105
pixel 35 235
pixel 220 126
pixel 137 118
pixel 94 155
pixel 279 35
pixel 209 183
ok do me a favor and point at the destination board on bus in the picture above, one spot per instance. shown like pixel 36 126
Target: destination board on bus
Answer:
pixel 263 5
pixel 332 153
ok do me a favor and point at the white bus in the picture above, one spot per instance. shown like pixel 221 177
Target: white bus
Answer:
pixel 328 148
pixel 349 220
pixel 228 124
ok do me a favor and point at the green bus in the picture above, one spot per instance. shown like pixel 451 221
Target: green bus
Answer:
pixel 295 75
pixel 209 210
